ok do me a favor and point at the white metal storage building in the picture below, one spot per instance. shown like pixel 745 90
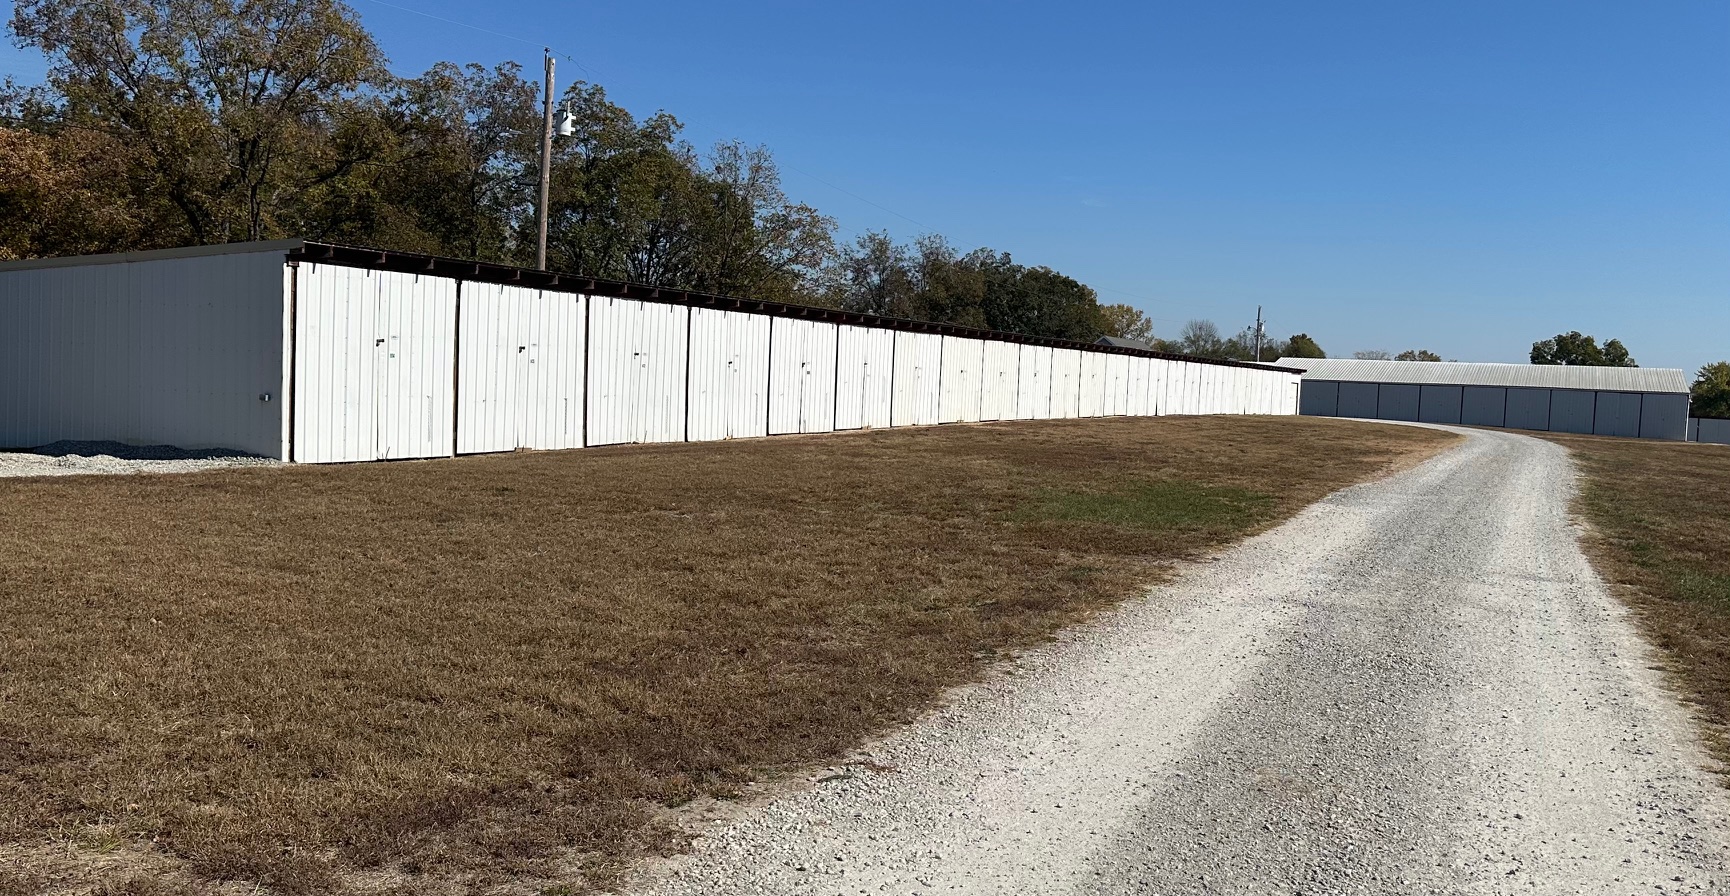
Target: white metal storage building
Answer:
pixel 313 352
pixel 1636 402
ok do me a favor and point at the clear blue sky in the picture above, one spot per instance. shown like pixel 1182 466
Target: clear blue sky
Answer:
pixel 1462 176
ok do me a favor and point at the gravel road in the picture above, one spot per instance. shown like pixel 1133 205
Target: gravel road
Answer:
pixel 1417 685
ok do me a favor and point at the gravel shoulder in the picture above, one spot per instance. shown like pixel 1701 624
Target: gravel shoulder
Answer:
pixel 116 458
pixel 1418 685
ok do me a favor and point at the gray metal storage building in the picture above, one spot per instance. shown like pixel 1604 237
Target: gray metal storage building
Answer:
pixel 1634 402
pixel 313 352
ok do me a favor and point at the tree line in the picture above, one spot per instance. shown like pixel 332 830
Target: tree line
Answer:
pixel 167 123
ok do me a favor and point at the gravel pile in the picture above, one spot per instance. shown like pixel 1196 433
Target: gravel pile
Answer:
pixel 68 458
pixel 1415 686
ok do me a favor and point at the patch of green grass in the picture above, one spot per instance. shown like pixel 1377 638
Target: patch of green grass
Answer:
pixel 1698 585
pixel 1684 577
pixel 1171 505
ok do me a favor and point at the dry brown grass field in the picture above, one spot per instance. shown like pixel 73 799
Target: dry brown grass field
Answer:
pixel 1660 515
pixel 496 673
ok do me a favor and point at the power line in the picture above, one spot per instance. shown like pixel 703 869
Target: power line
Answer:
pixel 788 165
pixel 594 74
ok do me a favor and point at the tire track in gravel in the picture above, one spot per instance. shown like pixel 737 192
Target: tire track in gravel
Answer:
pixel 1417 685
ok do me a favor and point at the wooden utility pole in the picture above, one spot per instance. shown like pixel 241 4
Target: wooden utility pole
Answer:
pixel 546 163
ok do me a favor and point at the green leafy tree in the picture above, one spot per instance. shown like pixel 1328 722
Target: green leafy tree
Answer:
pixel 59 196
pixel 756 241
pixel 1126 322
pixel 948 287
pixel 464 139
pixel 1301 346
pixel 875 275
pixel 230 104
pixel 1577 349
pixel 1417 355
pixel 1063 307
pixel 1201 338
pixel 1711 392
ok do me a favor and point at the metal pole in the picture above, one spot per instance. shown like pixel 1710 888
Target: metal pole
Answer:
pixel 1258 334
pixel 546 163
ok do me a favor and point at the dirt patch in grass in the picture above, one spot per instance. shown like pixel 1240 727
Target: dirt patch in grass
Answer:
pixel 1660 515
pixel 455 675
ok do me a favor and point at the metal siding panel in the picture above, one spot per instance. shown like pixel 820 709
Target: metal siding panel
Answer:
pixel 555 369
pixel 729 371
pixel 819 398
pixel 1091 395
pixel 1617 414
pixel 1397 402
pixel 1065 383
pixel 1358 400
pixel 1484 406
pixel 1663 416
pixel 1528 409
pixel 1712 432
pixel 918 367
pixel 637 366
pixel 1440 404
pixel 962 381
pixel 487 339
pixel 661 392
pixel 164 351
pixel 801 376
pixel 1114 397
pixel 334 413
pixel 1140 376
pixel 1319 398
pixel 865 377
pixel 1158 371
pixel 1033 383
pixel 416 323
pixel 1572 410
pixel 1002 380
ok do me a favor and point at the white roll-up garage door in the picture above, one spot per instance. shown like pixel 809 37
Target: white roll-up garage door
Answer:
pixel 373 356
pixel 519 369
pixel 1000 380
pixel 962 380
pixel 918 367
pixel 1065 383
pixel 637 356
pixel 801 376
pixel 864 377
pixel 1033 386
pixel 729 396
